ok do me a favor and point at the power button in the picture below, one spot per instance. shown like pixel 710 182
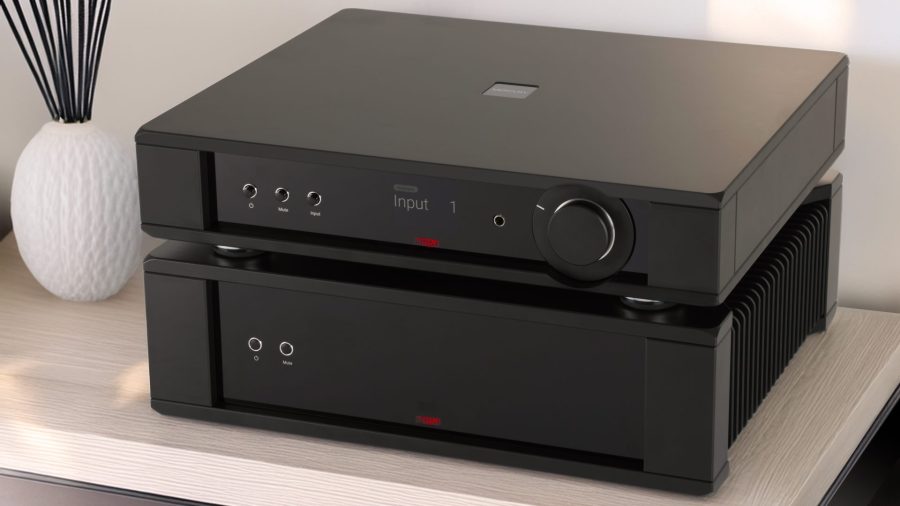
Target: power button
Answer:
pixel 255 344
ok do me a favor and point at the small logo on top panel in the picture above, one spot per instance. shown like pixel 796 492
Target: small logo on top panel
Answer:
pixel 509 90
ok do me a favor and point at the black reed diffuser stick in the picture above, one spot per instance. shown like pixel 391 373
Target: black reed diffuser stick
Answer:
pixel 62 48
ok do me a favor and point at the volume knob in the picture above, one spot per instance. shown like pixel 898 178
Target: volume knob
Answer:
pixel 581 232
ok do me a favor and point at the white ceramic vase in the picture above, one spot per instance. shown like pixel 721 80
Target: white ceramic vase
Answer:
pixel 75 214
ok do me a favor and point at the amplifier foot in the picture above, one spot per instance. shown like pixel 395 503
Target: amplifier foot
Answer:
pixel 646 304
pixel 233 252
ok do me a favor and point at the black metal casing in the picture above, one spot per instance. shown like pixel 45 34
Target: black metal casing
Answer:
pixel 709 147
pixel 450 210
pixel 557 380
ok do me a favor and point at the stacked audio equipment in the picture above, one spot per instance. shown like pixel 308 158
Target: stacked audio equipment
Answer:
pixel 581 252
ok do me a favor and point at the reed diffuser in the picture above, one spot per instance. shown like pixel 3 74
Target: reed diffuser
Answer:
pixel 74 204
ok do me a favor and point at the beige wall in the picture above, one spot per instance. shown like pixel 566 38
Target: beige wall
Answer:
pixel 163 51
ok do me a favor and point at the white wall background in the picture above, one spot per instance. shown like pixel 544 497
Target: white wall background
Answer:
pixel 161 52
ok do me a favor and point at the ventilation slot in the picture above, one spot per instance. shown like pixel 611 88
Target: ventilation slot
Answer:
pixel 775 306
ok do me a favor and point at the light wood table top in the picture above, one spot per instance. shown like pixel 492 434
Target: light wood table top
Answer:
pixel 74 404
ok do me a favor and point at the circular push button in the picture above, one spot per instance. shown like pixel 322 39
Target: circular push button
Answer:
pixel 314 198
pixel 286 348
pixel 581 232
pixel 249 190
pixel 255 344
pixel 282 195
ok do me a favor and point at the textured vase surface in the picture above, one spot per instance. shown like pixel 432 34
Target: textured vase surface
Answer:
pixel 74 209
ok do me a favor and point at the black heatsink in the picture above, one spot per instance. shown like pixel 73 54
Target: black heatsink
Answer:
pixel 777 304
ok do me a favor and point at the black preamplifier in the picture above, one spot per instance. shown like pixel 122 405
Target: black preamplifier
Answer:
pixel 545 378
pixel 629 165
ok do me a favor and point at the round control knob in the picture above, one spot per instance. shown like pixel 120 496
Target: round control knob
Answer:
pixel 581 232
pixel 585 235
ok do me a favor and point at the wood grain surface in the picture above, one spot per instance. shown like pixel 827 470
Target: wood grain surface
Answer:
pixel 74 403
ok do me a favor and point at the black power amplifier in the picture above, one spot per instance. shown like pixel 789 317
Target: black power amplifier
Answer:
pixel 544 378
pixel 629 165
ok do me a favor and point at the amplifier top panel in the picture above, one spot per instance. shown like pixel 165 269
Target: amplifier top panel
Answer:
pixel 689 120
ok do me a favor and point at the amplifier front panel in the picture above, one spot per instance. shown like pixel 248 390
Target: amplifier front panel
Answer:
pixel 365 204
pixel 447 370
